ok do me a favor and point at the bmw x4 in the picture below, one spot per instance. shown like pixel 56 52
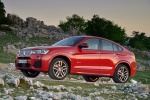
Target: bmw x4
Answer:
pixel 89 56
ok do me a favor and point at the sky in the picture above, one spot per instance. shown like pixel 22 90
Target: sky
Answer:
pixel 133 15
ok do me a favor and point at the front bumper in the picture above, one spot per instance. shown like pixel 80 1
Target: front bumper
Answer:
pixel 33 62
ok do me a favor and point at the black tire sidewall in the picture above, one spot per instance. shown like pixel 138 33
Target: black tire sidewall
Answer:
pixel 27 74
pixel 88 78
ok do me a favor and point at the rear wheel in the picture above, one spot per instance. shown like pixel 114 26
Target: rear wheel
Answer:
pixel 30 73
pixel 91 78
pixel 121 74
pixel 58 69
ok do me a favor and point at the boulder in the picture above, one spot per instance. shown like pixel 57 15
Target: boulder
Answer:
pixel 16 19
pixel 14 81
pixel 21 98
pixel 2 82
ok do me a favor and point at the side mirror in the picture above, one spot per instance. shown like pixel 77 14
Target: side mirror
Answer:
pixel 83 45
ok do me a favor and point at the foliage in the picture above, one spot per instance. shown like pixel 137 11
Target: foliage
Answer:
pixel 140 41
pixel 73 22
pixel 104 28
pixel 96 27
pixel 2 12
pixel 3 19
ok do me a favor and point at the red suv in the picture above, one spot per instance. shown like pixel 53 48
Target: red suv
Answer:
pixel 89 56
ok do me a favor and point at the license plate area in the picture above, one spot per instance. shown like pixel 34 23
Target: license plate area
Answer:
pixel 22 61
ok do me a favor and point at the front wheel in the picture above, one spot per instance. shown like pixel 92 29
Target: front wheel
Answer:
pixel 31 73
pixel 121 74
pixel 58 69
pixel 91 78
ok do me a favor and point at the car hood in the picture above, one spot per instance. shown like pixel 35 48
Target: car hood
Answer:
pixel 43 47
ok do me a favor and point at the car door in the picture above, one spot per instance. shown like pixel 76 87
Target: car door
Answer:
pixel 87 59
pixel 109 56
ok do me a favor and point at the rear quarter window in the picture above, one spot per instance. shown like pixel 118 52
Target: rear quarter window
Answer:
pixel 117 48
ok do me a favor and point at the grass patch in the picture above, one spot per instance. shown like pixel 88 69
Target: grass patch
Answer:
pixel 143 77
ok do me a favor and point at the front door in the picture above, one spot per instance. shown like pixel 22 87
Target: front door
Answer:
pixel 88 59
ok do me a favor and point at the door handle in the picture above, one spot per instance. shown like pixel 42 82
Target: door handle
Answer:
pixel 117 53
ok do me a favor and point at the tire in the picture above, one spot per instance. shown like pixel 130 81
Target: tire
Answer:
pixel 90 78
pixel 58 69
pixel 31 74
pixel 121 74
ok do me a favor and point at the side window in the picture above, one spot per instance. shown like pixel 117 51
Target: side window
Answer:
pixel 117 48
pixel 93 44
pixel 106 45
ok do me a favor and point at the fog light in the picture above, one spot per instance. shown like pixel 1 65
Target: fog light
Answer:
pixel 38 64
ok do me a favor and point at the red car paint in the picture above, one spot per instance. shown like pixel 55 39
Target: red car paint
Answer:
pixel 81 60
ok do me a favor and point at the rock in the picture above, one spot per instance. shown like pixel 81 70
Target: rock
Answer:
pixel 33 22
pixel 96 84
pixel 32 98
pixel 5 91
pixel 10 49
pixel 79 88
pixel 70 89
pixel 16 19
pixel 114 87
pixel 7 97
pixel 2 82
pixel 21 98
pixel 71 96
pixel 14 81
pixel 11 64
pixel 2 33
pixel 78 97
pixel 134 82
pixel 99 98
pixel 39 84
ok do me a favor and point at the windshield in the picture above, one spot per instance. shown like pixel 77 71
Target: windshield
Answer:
pixel 68 41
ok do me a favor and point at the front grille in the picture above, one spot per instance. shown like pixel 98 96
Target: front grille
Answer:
pixel 24 65
pixel 25 52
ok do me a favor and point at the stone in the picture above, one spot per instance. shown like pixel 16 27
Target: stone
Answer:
pixel 99 98
pixel 16 19
pixel 10 49
pixel 21 98
pixel 39 84
pixel 32 98
pixel 79 88
pixel 14 81
pixel 114 87
pixel 2 33
pixel 5 91
pixel 96 84
pixel 2 82
pixel 7 97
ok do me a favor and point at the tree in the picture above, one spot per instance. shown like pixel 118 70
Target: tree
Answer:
pixel 140 41
pixel 104 28
pixel 2 12
pixel 75 22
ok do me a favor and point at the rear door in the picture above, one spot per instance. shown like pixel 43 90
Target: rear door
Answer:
pixel 109 57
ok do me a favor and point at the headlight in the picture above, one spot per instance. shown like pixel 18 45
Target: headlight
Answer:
pixel 40 51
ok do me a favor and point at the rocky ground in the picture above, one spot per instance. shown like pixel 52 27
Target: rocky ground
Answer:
pixel 14 86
